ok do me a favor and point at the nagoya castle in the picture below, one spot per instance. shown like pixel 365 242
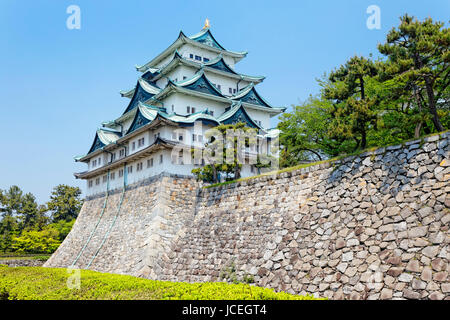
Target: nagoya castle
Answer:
pixel 190 87
pixel 367 226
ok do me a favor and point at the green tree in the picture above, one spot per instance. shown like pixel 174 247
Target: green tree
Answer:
pixel 304 133
pixel 9 228
pixel 29 212
pixel 419 58
pixel 63 227
pixel 353 111
pixel 11 201
pixel 224 152
pixel 65 203
pixel 21 206
pixel 32 241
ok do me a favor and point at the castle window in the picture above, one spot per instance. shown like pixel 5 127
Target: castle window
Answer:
pixel 94 163
pixel 122 153
pixel 230 90
pixel 120 173
pixel 180 137
pixel 198 58
pixel 184 77
pixel 156 135
pixel 191 56
pixel 130 169
pixel 105 178
pixel 234 90
pixel 139 166
pixel 192 110
pixel 205 59
pixel 160 158
pixel 180 157
pixel 211 113
pixel 197 137
pixel 141 142
pixel 90 184
pixel 97 181
pixel 99 161
pixel 150 163
pixel 113 175
pixel 188 109
pixel 173 108
pixel 113 156
pixel 219 87
pixel 174 135
pixel 133 145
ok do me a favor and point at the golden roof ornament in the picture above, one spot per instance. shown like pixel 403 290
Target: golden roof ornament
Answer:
pixel 207 25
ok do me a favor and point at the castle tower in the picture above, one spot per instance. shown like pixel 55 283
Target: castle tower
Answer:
pixel 187 89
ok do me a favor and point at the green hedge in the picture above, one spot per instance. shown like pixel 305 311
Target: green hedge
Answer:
pixel 38 283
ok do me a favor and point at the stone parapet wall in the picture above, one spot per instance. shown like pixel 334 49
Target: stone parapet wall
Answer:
pixel 371 226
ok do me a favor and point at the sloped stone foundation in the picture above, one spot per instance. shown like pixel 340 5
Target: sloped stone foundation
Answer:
pixel 372 226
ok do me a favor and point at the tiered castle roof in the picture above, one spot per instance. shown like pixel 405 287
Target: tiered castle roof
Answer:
pixel 146 109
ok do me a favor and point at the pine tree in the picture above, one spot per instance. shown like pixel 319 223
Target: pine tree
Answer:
pixel 353 111
pixel 419 56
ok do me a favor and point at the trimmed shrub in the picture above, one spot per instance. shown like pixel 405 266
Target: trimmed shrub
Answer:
pixel 37 283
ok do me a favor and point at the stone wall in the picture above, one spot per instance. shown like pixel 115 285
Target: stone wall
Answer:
pixel 372 226
pixel 131 240
pixel 22 262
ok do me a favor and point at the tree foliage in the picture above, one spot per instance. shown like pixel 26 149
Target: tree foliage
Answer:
pixel 65 202
pixel 26 227
pixel 303 133
pixel 366 103
pixel 353 112
pixel 418 57
pixel 224 152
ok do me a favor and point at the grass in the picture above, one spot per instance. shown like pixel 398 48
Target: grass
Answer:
pixel 38 283
pixel 305 165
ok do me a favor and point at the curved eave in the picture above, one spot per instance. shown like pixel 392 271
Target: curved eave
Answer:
pixel 207 32
pixel 238 56
pixel 152 63
pixel 169 67
pixel 231 113
pixel 199 76
pixel 149 117
pixel 273 111
pixel 147 87
pixel 248 90
pixel 93 147
pixel 126 116
pixel 173 88
pixel 159 143
pixel 192 118
pixel 101 137
pixel 207 69
pixel 148 92
pixel 183 39
pixel 127 93
pixel 220 59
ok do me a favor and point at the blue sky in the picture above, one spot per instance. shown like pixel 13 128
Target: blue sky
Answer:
pixel 57 85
